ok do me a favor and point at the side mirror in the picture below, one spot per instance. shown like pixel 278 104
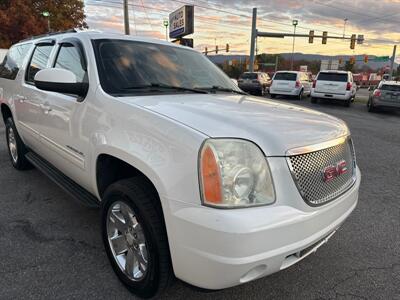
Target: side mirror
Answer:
pixel 60 81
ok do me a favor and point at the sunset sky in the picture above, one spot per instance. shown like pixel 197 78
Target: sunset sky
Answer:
pixel 224 21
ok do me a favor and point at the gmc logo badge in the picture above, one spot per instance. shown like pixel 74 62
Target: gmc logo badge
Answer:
pixel 331 172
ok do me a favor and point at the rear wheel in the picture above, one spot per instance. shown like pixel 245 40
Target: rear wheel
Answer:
pixel 273 96
pixel 314 100
pixel 16 148
pixel 300 95
pixel 135 237
pixel 347 103
pixel 370 106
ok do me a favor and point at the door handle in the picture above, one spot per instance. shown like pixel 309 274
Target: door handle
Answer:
pixel 46 108
pixel 20 98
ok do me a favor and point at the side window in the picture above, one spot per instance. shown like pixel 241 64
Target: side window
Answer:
pixel 38 61
pixel 13 61
pixel 69 58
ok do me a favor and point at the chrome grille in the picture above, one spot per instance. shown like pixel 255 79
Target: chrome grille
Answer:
pixel 308 172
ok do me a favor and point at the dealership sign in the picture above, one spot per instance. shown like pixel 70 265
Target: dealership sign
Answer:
pixel 181 22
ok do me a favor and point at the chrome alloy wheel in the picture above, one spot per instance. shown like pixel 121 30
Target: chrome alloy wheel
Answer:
pixel 127 241
pixel 12 145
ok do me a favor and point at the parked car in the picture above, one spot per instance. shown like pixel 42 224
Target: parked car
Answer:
pixel 386 94
pixel 338 85
pixel 255 82
pixel 290 83
pixel 193 177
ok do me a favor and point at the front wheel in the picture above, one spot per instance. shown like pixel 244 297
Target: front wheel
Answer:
pixel 16 147
pixel 347 103
pixel 135 237
pixel 273 96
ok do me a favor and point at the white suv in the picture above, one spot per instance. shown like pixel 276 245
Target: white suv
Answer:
pixel 337 85
pixel 290 83
pixel 194 178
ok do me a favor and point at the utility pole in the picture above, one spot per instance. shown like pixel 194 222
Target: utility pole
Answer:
pixel 344 27
pixel 126 17
pixel 392 62
pixel 295 22
pixel 253 39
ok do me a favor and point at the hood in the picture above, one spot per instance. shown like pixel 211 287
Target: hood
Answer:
pixel 274 126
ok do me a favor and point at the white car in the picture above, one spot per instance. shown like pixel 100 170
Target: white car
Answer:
pixel 194 178
pixel 338 85
pixel 290 83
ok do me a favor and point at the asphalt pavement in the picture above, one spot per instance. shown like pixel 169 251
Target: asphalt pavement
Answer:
pixel 50 246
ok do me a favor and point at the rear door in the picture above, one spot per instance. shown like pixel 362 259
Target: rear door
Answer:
pixel 284 81
pixel 31 99
pixel 332 83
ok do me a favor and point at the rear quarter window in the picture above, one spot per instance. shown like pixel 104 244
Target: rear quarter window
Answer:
pixel 13 61
pixel 333 77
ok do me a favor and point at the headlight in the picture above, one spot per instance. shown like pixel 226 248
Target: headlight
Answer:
pixel 234 173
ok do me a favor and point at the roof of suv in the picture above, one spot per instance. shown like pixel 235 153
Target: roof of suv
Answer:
pixel 95 35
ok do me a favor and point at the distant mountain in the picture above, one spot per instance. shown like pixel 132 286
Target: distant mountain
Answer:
pixel 219 59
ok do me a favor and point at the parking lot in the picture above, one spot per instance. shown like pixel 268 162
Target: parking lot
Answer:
pixel 51 246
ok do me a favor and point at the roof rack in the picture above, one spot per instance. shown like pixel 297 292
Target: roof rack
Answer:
pixel 48 34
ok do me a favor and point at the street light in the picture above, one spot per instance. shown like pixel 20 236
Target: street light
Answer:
pixel 166 23
pixel 294 23
pixel 46 14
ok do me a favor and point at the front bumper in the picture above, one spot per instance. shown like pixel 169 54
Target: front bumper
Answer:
pixel 216 248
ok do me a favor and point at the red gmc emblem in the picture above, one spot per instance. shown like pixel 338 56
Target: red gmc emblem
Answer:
pixel 331 172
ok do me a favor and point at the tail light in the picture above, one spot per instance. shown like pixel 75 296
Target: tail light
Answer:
pixel 314 83
pixel 349 86
pixel 297 84
pixel 377 93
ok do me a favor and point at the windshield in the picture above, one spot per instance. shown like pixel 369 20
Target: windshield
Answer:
pixel 285 76
pixel 332 77
pixel 249 76
pixel 133 67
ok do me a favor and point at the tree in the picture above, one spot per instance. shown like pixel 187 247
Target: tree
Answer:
pixel 20 19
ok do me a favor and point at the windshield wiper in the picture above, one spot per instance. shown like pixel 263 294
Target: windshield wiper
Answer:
pixel 216 88
pixel 165 86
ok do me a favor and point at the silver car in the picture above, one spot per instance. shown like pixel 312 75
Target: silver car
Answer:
pixel 387 94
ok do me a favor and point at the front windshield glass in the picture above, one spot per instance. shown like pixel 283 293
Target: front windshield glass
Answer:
pixel 133 67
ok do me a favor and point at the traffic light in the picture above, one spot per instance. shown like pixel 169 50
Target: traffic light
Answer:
pixel 216 49
pixel 366 59
pixel 227 47
pixel 206 51
pixel 353 41
pixel 324 37
pixel 311 37
pixel 352 60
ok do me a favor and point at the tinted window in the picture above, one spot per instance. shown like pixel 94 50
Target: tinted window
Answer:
pixel 13 61
pixel 39 61
pixel 285 76
pixel 69 58
pixel 130 67
pixel 392 88
pixel 248 76
pixel 332 77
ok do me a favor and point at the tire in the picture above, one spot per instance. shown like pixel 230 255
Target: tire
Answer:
pixel 347 103
pixel 147 242
pixel 314 100
pixel 273 96
pixel 370 106
pixel 16 147
pixel 300 95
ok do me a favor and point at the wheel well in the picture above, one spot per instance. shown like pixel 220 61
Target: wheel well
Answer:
pixel 110 169
pixel 5 112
